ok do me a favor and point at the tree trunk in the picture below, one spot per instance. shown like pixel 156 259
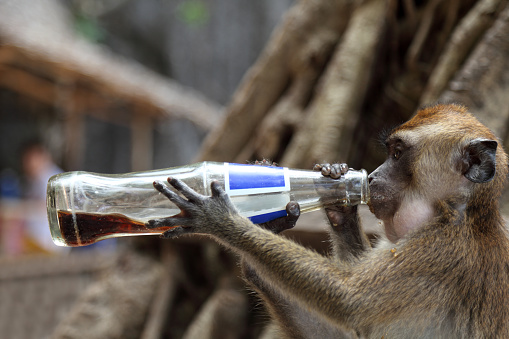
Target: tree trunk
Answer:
pixel 335 73
pixel 287 70
pixel 328 130
pixel 482 84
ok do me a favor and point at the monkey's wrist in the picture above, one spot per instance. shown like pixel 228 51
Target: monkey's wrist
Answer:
pixel 341 215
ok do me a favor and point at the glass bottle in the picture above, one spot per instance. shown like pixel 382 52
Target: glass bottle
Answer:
pixel 84 207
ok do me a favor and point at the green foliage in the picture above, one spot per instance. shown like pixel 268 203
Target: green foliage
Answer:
pixel 193 12
pixel 88 28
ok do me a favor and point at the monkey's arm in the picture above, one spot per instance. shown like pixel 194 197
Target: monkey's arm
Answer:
pixel 349 241
pixel 291 319
pixel 281 309
pixel 218 217
pixel 340 292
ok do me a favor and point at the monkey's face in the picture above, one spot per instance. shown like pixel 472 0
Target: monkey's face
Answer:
pixel 417 172
pixel 441 153
pixel 388 182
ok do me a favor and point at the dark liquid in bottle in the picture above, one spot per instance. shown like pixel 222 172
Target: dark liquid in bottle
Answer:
pixel 87 228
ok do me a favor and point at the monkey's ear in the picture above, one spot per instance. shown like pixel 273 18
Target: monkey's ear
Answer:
pixel 479 160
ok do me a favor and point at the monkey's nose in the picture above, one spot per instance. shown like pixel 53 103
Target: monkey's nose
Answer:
pixel 373 175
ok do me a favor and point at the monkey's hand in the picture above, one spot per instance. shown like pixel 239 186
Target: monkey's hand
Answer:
pixel 265 162
pixel 347 235
pixel 335 171
pixel 282 224
pixel 279 225
pixel 337 214
pixel 199 213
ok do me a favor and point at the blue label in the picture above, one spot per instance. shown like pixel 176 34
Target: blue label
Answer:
pixel 250 179
pixel 258 219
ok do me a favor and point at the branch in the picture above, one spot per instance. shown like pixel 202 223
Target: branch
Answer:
pixel 327 134
pixel 465 36
pixel 307 24
pixel 483 82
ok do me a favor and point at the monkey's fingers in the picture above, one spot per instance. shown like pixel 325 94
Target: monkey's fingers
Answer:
pixel 173 221
pixel 172 196
pixel 176 232
pixel 217 190
pixel 325 169
pixel 337 170
pixel 219 193
pixel 265 162
pixel 293 211
pixel 284 223
pixel 186 191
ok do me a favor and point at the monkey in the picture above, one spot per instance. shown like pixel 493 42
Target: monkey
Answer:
pixel 442 269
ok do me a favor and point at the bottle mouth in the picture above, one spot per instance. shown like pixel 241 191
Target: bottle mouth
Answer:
pixel 350 189
pixel 364 187
pixel 357 187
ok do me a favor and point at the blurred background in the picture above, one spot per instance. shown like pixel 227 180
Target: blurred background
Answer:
pixel 116 86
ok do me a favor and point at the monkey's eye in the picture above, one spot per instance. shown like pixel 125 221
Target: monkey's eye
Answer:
pixel 397 154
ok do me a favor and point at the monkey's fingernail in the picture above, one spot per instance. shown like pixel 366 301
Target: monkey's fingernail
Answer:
pixel 158 184
pixel 151 223
pixel 293 208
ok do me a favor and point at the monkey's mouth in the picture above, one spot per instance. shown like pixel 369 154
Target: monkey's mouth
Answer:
pixel 381 205
pixel 375 201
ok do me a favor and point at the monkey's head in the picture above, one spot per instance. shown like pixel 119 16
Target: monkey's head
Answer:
pixel 443 152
